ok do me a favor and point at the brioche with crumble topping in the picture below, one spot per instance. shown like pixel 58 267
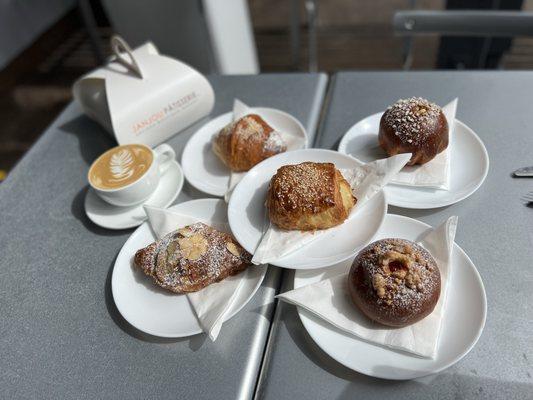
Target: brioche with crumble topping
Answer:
pixel 414 126
pixel 395 282
pixel 191 258
pixel 246 142
pixel 309 196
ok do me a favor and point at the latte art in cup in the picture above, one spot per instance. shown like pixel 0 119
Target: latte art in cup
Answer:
pixel 120 166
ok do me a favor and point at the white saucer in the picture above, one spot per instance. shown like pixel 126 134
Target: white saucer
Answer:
pixel 246 213
pixel 469 164
pixel 157 311
pixel 465 315
pixel 114 217
pixel 202 167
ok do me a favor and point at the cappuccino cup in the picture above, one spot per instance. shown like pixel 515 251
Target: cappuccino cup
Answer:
pixel 127 175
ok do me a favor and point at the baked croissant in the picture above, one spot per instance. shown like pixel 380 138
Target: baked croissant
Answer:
pixel 309 196
pixel 191 258
pixel 246 142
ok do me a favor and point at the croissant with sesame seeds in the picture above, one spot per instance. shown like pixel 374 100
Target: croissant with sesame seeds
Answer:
pixel 309 196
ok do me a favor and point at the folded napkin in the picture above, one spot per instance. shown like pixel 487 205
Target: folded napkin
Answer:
pixel 329 299
pixel 365 180
pixel 213 302
pixel 292 141
pixel 435 173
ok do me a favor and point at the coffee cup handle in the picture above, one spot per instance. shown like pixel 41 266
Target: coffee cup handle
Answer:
pixel 164 154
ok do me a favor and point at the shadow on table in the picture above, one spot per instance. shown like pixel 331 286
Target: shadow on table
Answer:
pixel 77 209
pixel 272 284
pixel 453 384
pixel 195 342
pixel 307 346
pixel 443 385
pixel 93 139
pixel 314 353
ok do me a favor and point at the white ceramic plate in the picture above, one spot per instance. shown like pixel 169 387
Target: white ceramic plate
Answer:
pixel 465 315
pixel 246 213
pixel 157 311
pixel 469 164
pixel 114 217
pixel 202 167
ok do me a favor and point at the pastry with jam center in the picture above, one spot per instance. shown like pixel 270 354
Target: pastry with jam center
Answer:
pixel 246 142
pixel 191 258
pixel 395 282
pixel 414 126
pixel 309 196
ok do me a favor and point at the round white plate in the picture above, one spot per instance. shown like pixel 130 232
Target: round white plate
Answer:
pixel 465 314
pixel 246 213
pixel 159 312
pixel 114 217
pixel 202 167
pixel 469 164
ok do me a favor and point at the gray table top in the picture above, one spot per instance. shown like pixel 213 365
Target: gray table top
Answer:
pixel 61 335
pixel 495 229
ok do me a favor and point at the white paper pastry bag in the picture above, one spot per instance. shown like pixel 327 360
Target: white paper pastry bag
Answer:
pixel 213 302
pixel 365 180
pixel 330 300
pixel 150 100
pixel 435 173
pixel 293 142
